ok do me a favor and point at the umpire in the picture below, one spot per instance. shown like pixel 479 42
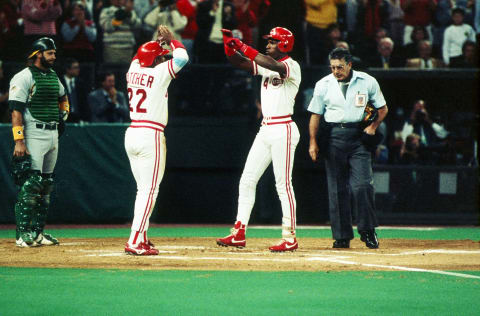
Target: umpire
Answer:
pixel 341 98
pixel 38 103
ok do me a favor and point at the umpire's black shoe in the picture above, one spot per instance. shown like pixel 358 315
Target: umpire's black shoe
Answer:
pixel 369 237
pixel 341 243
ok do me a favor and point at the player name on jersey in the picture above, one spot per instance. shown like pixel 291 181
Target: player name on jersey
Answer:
pixel 136 78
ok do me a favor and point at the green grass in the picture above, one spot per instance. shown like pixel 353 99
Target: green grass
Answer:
pixel 33 291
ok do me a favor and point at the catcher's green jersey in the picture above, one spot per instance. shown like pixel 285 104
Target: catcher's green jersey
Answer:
pixel 38 91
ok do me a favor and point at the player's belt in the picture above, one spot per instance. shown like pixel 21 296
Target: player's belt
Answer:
pixel 346 125
pixel 52 126
pixel 273 120
pixel 147 124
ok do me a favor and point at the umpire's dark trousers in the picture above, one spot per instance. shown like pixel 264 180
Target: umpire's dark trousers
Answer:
pixel 350 183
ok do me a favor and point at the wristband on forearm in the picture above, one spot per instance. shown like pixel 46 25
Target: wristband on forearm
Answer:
pixel 249 52
pixel 18 132
pixel 176 44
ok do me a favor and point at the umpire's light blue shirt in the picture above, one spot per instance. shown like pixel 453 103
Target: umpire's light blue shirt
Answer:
pixel 328 98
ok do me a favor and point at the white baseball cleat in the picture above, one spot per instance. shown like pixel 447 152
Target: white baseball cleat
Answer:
pixel 46 240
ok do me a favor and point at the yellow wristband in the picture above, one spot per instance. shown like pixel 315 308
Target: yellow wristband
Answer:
pixel 17 132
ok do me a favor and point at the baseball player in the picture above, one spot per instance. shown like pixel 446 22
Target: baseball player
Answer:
pixel 147 82
pixel 38 103
pixel 278 136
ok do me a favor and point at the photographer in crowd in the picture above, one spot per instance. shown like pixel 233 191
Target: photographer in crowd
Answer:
pixel 119 22
pixel 432 136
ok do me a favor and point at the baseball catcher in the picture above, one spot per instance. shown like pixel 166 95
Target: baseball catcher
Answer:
pixel 38 103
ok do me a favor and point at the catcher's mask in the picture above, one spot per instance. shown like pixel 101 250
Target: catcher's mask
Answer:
pixel 284 36
pixel 21 167
pixel 147 53
pixel 42 44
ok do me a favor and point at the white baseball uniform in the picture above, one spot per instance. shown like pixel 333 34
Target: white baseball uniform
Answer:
pixel 144 139
pixel 275 142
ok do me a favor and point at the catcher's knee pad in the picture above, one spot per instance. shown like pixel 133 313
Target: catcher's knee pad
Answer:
pixel 30 191
pixel 33 184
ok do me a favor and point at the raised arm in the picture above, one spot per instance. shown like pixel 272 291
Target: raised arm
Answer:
pixel 233 47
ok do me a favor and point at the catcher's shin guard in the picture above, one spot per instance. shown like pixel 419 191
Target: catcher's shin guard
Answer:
pixel 27 201
pixel 39 216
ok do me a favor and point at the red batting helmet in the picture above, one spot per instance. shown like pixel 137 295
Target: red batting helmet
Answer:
pixel 147 53
pixel 284 36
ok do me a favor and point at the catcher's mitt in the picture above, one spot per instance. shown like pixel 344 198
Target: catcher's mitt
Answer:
pixel 20 168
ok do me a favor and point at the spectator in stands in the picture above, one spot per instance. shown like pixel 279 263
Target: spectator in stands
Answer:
pixel 79 35
pixel 246 19
pixel 77 92
pixel 356 61
pixel 119 23
pixel 4 112
pixel 106 103
pixel 372 15
pixel 384 58
pixel 11 31
pixel 319 15
pixel 212 16
pixel 468 9
pixel 188 8
pixel 455 35
pixel 410 50
pixel 396 23
pixel 333 36
pixel 39 19
pixel 166 13
pixel 425 59
pixel 432 135
pixel 366 46
pixel 260 9
pixel 142 7
pixel 441 20
pixel 417 13
pixel 469 57
pixel 409 154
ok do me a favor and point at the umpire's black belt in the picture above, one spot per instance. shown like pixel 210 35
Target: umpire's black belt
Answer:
pixel 46 126
pixel 346 125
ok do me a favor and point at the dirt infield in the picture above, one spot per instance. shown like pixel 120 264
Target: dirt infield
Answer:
pixel 314 254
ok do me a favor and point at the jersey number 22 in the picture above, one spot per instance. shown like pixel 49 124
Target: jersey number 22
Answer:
pixel 143 96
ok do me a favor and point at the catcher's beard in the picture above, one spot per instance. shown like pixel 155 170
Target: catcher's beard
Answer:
pixel 45 63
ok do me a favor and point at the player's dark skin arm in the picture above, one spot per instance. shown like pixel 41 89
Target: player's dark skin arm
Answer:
pixel 263 60
pixel 17 120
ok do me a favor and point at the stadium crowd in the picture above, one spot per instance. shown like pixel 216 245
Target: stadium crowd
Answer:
pixel 418 34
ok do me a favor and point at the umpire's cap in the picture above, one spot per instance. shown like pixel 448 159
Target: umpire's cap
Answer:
pixel 42 44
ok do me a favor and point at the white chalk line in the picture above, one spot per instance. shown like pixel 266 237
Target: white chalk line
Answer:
pixel 323 227
pixel 408 253
pixel 331 259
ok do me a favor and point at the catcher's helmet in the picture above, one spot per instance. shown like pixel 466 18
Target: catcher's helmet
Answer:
pixel 147 53
pixel 42 44
pixel 284 36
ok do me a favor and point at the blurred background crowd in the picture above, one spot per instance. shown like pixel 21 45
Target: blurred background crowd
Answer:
pixel 96 40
